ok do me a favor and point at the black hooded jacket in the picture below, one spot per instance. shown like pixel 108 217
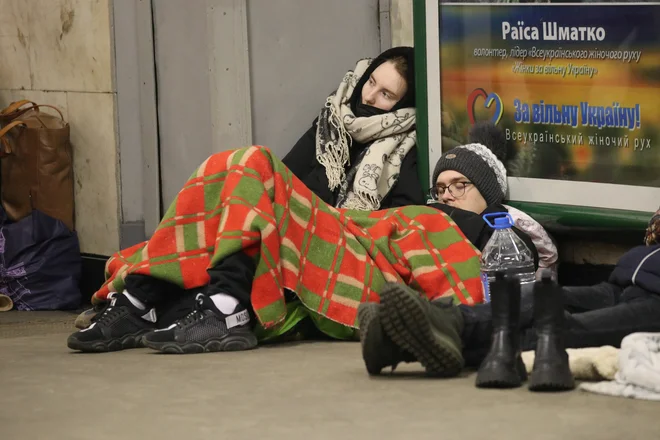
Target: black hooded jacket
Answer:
pixel 477 231
pixel 301 160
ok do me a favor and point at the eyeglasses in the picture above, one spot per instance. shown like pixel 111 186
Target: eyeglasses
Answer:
pixel 456 189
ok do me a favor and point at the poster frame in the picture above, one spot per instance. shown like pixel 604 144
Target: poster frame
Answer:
pixel 570 202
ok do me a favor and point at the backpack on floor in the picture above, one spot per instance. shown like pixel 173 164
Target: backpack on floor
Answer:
pixel 40 262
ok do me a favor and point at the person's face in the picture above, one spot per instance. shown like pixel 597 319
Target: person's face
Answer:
pixel 465 195
pixel 384 88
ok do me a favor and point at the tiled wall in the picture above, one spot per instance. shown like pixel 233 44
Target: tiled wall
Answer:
pixel 59 52
pixel 401 17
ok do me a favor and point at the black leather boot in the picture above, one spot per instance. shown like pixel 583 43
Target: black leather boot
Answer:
pixel 503 367
pixel 551 371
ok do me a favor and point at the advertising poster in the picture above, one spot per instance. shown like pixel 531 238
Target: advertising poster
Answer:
pixel 576 88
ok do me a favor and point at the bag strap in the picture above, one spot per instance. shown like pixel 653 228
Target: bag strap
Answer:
pixel 6 151
pixel 36 107
pixel 14 110
pixel 14 106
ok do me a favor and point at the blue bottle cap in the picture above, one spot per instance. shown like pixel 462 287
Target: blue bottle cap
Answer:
pixel 501 220
pixel 502 223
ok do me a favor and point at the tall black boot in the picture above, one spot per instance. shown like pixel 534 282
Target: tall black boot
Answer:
pixel 503 367
pixel 551 371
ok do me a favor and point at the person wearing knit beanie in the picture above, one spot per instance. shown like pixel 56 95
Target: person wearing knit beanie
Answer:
pixel 472 176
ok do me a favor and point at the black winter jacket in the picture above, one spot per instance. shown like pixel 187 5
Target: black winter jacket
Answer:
pixel 477 231
pixel 639 267
pixel 301 160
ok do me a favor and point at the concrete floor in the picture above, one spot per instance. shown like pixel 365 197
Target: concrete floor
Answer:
pixel 301 391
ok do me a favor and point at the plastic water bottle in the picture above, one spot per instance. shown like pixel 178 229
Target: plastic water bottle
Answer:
pixel 505 252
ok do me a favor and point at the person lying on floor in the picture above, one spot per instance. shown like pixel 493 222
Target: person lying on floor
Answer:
pixel 406 327
pixel 332 259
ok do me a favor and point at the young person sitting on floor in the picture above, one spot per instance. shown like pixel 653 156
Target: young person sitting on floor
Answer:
pixel 360 153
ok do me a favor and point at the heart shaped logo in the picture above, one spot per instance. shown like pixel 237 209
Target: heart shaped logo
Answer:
pixel 489 100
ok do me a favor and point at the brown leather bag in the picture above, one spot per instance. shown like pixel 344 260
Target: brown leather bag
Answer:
pixel 37 165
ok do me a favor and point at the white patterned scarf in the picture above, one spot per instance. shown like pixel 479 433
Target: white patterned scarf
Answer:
pixel 391 137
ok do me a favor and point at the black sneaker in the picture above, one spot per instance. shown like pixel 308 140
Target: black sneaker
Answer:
pixel 119 326
pixel 205 329
pixel 378 350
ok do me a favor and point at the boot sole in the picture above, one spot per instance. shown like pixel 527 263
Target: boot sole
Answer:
pixel 502 376
pixel 228 343
pixel 124 343
pixel 374 349
pixel 551 379
pixel 404 319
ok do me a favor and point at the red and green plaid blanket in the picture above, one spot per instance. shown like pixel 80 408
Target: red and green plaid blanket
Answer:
pixel 333 259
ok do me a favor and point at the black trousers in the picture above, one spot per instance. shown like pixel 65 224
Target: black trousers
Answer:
pixel 233 276
pixel 596 315
pixel 606 313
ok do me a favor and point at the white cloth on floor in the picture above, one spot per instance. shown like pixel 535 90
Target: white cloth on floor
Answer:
pixel 592 363
pixel 639 369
